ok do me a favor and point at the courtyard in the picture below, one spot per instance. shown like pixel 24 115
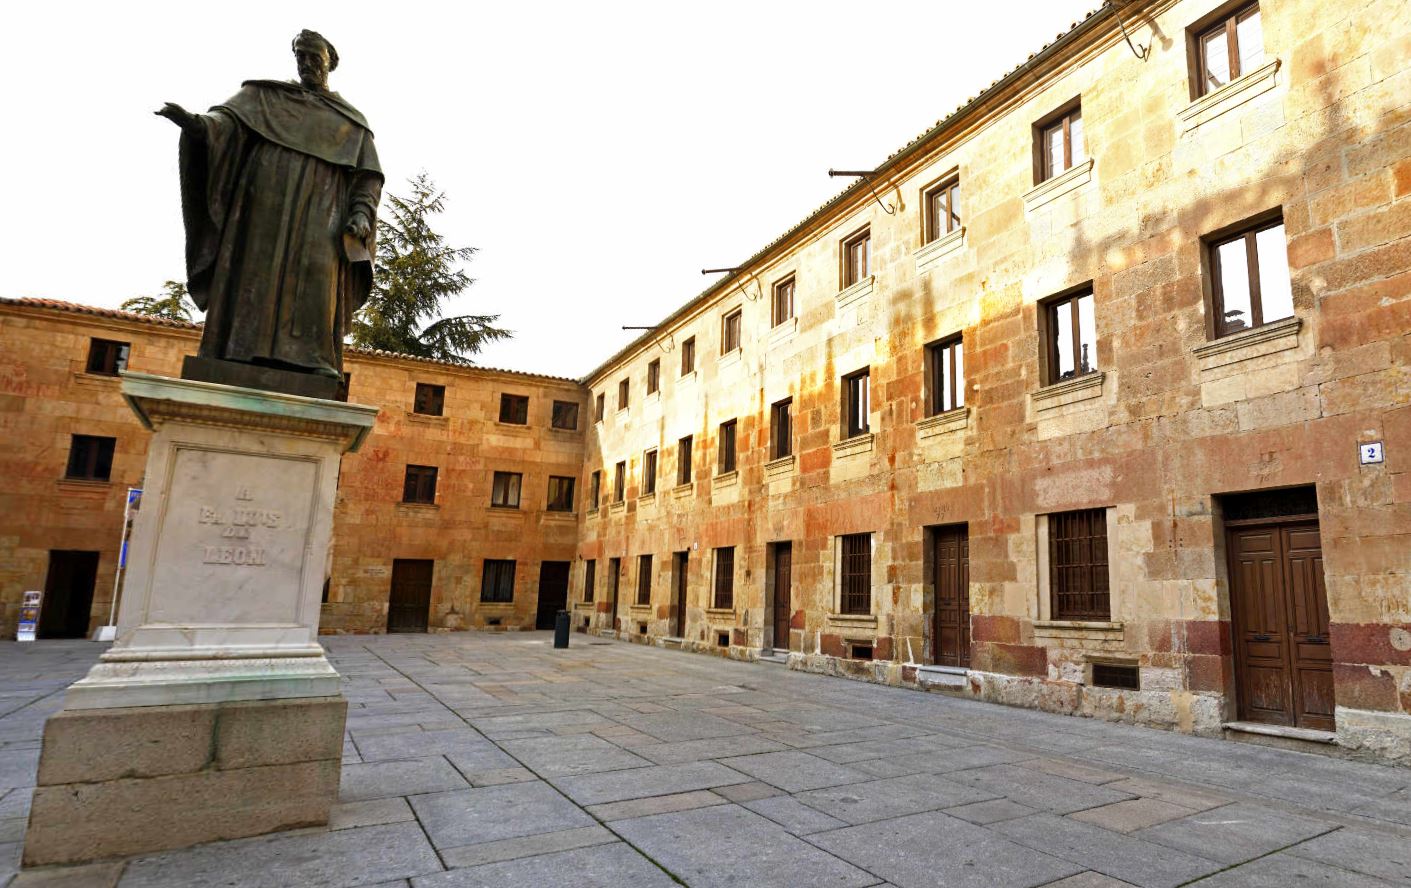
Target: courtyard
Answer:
pixel 494 760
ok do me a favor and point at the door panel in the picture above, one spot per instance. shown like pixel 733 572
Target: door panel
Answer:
pixel 951 581
pixel 783 593
pixel 409 604
pixel 553 593
pixel 68 594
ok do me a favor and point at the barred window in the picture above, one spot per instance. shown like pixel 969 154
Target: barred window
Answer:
pixel 1077 547
pixel 856 586
pixel 497 583
pixel 725 578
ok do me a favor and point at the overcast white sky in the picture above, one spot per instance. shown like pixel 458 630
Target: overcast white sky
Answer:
pixel 597 154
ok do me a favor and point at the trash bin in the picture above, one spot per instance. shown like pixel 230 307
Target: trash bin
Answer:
pixel 561 629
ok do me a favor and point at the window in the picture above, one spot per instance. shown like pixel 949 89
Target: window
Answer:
pixel 1071 337
pixel 430 399
pixel 614 578
pixel 727 447
pixel 514 409
pixel 725 578
pixel 1060 143
pixel 856 404
pixel 590 578
pixel 560 494
pixel 623 390
pixel 497 583
pixel 619 482
pixel 1077 565
pixel 945 376
pixel 90 458
pixel 504 492
pixel 857 255
pixel 1250 278
pixel 644 579
pixel 781 429
pixel 688 356
pixel 942 209
pixel 1228 50
pixel 649 472
pixel 654 377
pixel 730 332
pixel 419 485
pixel 856 574
pixel 565 415
pixel 599 404
pixel 595 487
pixel 107 357
pixel 683 461
pixel 783 305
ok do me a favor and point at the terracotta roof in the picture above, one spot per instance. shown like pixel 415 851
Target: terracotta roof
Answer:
pixel 119 314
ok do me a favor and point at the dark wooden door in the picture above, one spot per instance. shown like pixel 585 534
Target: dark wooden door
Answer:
pixel 951 563
pixel 682 561
pixel 553 593
pixel 1279 613
pixel 68 594
pixel 409 607
pixel 783 593
pixel 614 581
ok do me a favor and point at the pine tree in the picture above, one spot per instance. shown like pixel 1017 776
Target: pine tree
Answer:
pixel 415 273
pixel 172 304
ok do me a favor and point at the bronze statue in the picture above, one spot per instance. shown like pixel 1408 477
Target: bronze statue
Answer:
pixel 279 193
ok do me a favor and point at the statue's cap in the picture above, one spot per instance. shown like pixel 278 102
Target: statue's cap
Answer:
pixel 307 37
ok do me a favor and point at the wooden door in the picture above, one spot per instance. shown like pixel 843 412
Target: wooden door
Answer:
pixel 679 580
pixel 553 593
pixel 614 580
pixel 409 605
pixel 68 594
pixel 783 593
pixel 950 563
pixel 1279 613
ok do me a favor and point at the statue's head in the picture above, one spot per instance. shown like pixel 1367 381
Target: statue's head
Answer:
pixel 315 57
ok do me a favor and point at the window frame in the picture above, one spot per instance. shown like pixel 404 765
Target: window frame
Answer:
pixel 562 408
pixel 849 413
pixel 1093 573
pixel 414 484
pixel 781 303
pixel 688 356
pixel 565 485
pixel 781 434
pixel 503 569
pixel 949 187
pixel 685 449
pixel 850 273
pixel 855 574
pixel 644 580
pixel 650 459
pixel 1063 119
pixel 1247 231
pixel 1049 313
pixel 85 462
pixel 512 481
pixel 723 587
pixel 654 376
pixel 940 354
pixel 508 403
pixel 430 396
pixel 732 325
pixel 1227 19
pixel 103 353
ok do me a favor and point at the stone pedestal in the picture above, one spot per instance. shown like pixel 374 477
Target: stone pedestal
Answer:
pixel 215 714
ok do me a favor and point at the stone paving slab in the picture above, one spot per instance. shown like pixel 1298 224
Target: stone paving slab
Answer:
pixel 568 756
pixel 794 771
pixel 604 866
pixel 1288 871
pixel 1122 857
pixel 882 799
pixel 1386 856
pixel 470 816
pixel 617 786
pixel 379 780
pixel 1235 833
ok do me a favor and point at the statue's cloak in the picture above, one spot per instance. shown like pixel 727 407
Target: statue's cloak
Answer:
pixel 268 185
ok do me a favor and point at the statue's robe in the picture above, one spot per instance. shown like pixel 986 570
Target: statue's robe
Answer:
pixel 268 185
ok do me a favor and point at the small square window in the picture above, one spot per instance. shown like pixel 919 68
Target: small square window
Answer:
pixel 504 491
pixel 688 356
pixel 649 472
pixel 1231 47
pixel 781 429
pixel 783 304
pixel 1060 143
pixel 942 209
pixel 1249 278
pixel 619 482
pixel 857 257
pixel 654 376
pixel 430 399
pixel 565 415
pixel 856 574
pixel 514 409
pixel 90 458
pixel 590 579
pixel 560 494
pixel 599 407
pixel 945 376
pixel 107 357
pixel 623 391
pixel 683 460
pixel 644 579
pixel 730 332
pixel 724 578
pixel 419 486
pixel 1071 337
pixel 497 583
pixel 856 403
pixel 726 443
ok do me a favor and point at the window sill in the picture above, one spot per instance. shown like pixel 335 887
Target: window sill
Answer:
pixel 1069 391
pixel 852 620
pixel 784 331
pixel 563 431
pixel 591 512
pixel 686 378
pixel 417 507
pixel 496 605
pixel 854 445
pixel 83 485
pixel 855 292
pixel 428 418
pixel 647 498
pixel 1090 630
pixel 720 613
pixel 652 397
pixel 559 515
pixel 779 468
pixel 1228 97
pixel 84 377
pixel 942 423
pixel 725 479
pixel 1267 339
pixel 929 255
pixel 1065 182
pixel 681 490
pixel 729 359
pixel 618 507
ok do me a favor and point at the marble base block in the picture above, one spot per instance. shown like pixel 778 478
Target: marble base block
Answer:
pixel 115 782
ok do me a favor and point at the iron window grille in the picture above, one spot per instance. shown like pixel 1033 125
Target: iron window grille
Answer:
pixel 856 585
pixel 1078 581
pixel 725 578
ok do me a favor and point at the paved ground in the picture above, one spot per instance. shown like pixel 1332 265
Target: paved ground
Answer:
pixel 493 760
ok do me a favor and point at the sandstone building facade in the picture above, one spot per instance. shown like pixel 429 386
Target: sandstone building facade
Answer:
pixel 1095 397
